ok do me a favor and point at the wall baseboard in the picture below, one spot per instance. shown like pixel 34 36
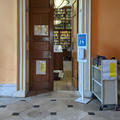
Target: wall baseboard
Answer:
pixel 20 94
pixel 7 90
pixel 10 90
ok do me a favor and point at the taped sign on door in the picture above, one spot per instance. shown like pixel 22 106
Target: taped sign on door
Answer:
pixel 40 67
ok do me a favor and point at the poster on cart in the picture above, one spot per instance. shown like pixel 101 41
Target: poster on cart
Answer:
pixel 109 69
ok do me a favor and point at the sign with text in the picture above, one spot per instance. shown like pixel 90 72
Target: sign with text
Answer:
pixel 109 69
pixel 82 40
pixel 40 67
pixel 81 46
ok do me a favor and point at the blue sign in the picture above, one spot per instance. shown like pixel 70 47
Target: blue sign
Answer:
pixel 81 47
pixel 82 40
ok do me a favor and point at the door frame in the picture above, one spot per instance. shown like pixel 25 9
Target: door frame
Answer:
pixel 21 90
pixel 85 27
pixel 22 82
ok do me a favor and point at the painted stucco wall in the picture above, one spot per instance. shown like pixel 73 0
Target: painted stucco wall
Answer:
pixel 106 28
pixel 8 41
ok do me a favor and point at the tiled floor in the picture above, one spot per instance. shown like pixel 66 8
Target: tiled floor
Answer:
pixel 58 105
pixel 66 82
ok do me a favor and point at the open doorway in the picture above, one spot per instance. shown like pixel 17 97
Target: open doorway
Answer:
pixel 27 31
pixel 62 48
pixel 65 41
pixel 58 45
pixel 65 47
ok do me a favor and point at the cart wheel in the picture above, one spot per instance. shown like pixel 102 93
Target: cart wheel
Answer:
pixel 116 107
pixel 101 108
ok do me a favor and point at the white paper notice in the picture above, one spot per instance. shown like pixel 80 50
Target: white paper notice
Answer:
pixel 41 30
pixel 40 67
pixel 80 54
pixel 109 69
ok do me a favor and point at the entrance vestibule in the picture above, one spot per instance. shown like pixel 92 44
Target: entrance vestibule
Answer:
pixel 50 60
pixel 40 64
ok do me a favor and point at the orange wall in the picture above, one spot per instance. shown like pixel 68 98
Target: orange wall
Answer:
pixel 8 41
pixel 106 28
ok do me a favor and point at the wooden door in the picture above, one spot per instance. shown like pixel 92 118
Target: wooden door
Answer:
pixel 41 45
pixel 74 44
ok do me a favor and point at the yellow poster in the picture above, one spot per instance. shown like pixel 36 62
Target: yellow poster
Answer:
pixel 112 70
pixel 43 67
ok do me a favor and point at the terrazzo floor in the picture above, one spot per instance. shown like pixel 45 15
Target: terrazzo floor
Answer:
pixel 59 105
pixel 65 83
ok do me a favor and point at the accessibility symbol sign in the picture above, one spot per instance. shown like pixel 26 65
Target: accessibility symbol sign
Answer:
pixel 82 40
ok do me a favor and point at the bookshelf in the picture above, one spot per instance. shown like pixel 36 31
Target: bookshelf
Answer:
pixel 56 38
pixel 65 39
pixel 62 31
